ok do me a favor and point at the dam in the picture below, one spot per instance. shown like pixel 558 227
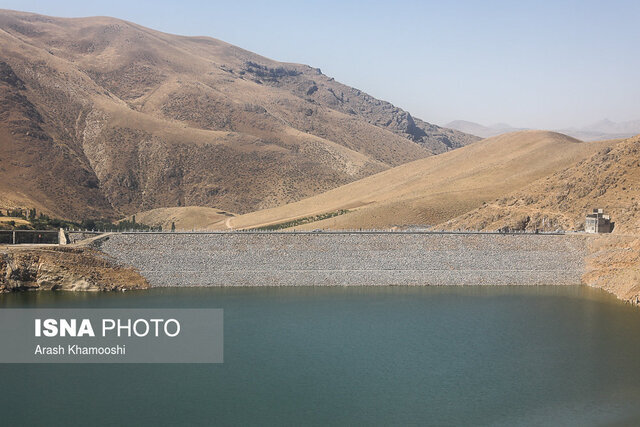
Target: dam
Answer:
pixel 349 258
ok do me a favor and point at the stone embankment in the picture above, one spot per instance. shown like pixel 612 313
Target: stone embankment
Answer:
pixel 342 259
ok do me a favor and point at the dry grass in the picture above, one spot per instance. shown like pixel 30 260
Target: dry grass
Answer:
pixel 435 189
pixel 18 221
pixel 609 179
pixel 184 218
pixel 4 222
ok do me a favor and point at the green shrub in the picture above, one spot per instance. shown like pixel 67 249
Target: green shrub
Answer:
pixel 301 221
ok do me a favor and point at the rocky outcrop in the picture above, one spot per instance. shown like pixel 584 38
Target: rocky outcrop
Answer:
pixel 65 269
pixel 318 90
pixel 613 264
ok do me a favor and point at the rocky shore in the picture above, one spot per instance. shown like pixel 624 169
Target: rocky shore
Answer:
pixel 65 269
pixel 613 264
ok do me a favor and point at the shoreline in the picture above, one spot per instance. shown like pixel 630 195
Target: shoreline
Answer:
pixel 607 262
pixel 64 268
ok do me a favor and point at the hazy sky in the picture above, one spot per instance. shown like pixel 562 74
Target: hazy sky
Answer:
pixel 545 64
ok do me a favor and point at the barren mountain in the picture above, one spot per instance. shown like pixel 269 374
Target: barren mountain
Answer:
pixel 609 179
pixel 435 189
pixel 102 117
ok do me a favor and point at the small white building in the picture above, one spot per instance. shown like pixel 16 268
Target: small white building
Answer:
pixel 597 222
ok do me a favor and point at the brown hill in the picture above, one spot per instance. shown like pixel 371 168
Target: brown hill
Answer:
pixel 102 117
pixel 609 179
pixel 184 218
pixel 435 189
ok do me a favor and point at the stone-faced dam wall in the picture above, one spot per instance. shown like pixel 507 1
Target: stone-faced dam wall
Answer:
pixel 341 259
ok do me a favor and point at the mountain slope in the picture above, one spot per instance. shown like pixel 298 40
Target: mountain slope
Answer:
pixel 184 218
pixel 610 179
pixel 143 119
pixel 31 162
pixel 435 189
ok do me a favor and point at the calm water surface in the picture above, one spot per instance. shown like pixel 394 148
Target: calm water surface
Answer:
pixel 436 356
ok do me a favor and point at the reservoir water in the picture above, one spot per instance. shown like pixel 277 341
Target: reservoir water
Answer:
pixel 371 355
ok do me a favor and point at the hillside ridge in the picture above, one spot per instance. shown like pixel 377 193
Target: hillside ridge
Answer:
pixel 608 179
pixel 137 119
pixel 430 191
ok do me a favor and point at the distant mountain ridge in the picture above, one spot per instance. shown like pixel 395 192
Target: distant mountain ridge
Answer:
pixel 608 126
pixel 480 130
pixel 101 117
pixel 604 129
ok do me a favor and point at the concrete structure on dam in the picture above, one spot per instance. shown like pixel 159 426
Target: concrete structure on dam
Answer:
pixel 343 259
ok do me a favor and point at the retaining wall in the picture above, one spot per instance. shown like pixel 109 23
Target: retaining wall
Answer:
pixel 304 259
pixel 28 237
